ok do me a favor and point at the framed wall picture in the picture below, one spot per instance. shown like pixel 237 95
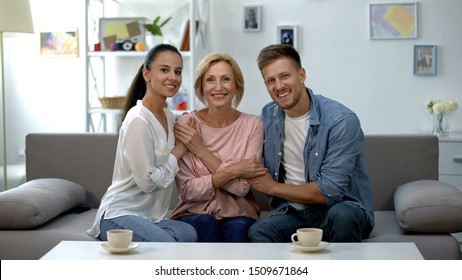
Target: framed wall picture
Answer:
pixel 112 30
pixel 287 35
pixel 59 44
pixel 425 60
pixel 252 18
pixel 393 21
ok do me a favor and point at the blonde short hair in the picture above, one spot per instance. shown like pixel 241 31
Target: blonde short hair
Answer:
pixel 205 64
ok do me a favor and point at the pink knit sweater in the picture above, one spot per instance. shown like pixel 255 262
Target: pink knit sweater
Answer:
pixel 240 140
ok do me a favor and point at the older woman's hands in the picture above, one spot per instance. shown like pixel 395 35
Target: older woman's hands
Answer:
pixel 249 168
pixel 189 134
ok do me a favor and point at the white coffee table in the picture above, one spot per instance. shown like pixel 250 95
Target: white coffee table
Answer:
pixel 91 250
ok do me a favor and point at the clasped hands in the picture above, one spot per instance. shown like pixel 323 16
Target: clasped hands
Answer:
pixel 251 169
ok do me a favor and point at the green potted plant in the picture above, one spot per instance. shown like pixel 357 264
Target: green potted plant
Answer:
pixel 155 27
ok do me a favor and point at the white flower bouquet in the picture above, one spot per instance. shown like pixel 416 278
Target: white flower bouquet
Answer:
pixel 435 106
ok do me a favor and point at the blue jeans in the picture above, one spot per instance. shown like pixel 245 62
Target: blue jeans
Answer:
pixel 210 229
pixel 146 231
pixel 343 222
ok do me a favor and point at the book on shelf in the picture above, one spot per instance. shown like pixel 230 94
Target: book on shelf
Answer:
pixel 185 35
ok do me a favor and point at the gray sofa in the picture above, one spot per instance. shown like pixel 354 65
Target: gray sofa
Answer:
pixel 85 162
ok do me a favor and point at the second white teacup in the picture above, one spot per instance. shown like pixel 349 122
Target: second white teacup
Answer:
pixel 307 236
pixel 119 238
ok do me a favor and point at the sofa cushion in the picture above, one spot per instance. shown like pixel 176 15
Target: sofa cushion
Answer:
pixel 429 206
pixel 38 201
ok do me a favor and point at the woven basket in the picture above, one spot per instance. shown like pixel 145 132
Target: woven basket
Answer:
pixel 113 102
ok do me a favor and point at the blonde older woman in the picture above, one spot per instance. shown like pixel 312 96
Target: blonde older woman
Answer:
pixel 224 149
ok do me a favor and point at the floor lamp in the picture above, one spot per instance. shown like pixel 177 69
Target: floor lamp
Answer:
pixel 15 16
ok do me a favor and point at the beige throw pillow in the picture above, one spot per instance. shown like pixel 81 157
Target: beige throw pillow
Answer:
pixel 429 206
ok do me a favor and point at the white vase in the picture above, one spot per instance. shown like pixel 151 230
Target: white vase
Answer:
pixel 152 40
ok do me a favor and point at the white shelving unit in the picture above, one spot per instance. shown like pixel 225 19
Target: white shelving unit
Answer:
pixel 122 65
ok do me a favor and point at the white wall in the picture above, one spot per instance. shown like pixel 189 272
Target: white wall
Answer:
pixel 374 78
pixel 44 94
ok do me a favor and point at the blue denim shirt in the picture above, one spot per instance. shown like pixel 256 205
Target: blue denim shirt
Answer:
pixel 333 153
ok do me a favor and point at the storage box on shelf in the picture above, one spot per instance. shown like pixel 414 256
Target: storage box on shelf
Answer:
pixel 113 102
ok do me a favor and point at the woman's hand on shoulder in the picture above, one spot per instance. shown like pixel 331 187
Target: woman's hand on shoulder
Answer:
pixel 190 135
pixel 179 150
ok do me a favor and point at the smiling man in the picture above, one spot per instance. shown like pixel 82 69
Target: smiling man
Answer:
pixel 313 151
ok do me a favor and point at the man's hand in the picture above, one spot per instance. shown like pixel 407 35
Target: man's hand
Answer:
pixel 308 193
pixel 264 183
pixel 248 168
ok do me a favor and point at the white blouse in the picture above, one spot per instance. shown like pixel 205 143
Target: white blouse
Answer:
pixel 144 170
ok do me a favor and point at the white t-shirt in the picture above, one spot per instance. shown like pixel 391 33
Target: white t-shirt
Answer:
pixel 295 133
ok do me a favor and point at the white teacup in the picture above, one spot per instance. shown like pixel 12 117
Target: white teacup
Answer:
pixel 310 237
pixel 119 238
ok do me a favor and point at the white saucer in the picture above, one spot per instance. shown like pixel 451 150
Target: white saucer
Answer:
pixel 130 248
pixel 308 249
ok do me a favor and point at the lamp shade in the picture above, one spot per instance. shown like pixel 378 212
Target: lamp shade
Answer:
pixel 15 16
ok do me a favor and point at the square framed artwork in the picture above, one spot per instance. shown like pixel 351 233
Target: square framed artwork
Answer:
pixel 425 60
pixel 287 35
pixel 393 21
pixel 112 30
pixel 59 44
pixel 252 18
